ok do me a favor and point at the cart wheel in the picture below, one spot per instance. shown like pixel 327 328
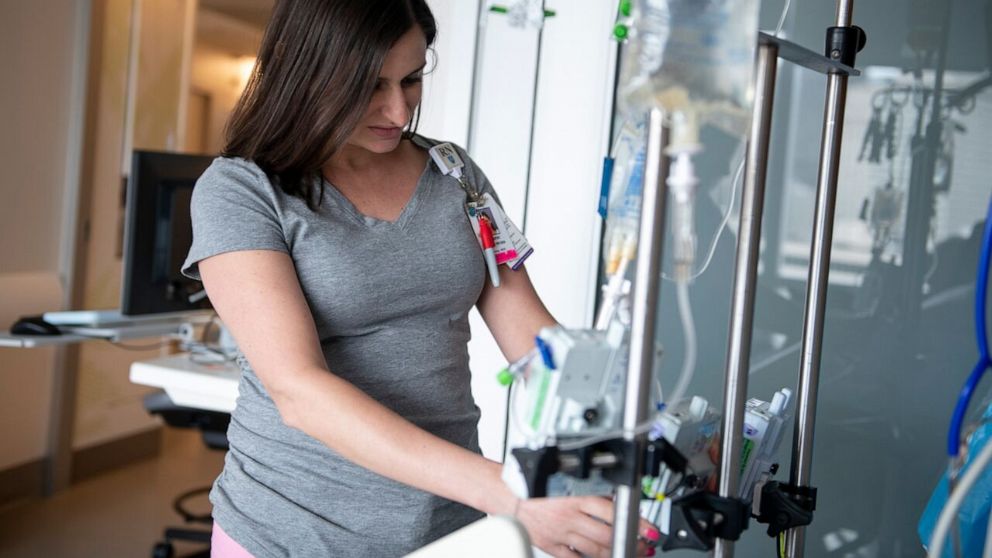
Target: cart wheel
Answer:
pixel 163 550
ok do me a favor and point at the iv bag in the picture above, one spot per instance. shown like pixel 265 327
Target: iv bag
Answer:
pixel 692 56
pixel 626 182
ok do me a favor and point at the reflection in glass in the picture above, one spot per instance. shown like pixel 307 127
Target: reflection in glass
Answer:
pixel 898 342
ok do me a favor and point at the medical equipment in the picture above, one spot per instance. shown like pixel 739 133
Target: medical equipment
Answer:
pixel 688 65
pixel 967 539
pixel 957 499
pixel 570 384
pixel 567 393
pixel 969 521
pixel 695 61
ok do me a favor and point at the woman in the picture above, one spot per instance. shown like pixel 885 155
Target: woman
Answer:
pixel 344 264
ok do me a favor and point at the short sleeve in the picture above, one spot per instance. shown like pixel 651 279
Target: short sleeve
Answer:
pixel 234 207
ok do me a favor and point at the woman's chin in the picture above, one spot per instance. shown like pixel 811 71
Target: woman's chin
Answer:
pixel 382 145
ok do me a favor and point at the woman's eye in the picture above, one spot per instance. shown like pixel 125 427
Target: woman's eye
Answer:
pixel 412 80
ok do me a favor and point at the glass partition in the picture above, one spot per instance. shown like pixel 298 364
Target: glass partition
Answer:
pixel 899 337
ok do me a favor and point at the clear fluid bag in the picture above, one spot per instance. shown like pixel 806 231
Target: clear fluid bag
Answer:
pixel 692 56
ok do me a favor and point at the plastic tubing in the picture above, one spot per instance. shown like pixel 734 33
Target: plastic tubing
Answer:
pixel 689 334
pixel 719 229
pixel 982 289
pixel 981 332
pixel 956 499
pixel 987 553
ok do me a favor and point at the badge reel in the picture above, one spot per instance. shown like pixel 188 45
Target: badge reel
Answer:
pixel 500 240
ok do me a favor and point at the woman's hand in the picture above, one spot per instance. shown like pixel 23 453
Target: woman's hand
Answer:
pixel 571 527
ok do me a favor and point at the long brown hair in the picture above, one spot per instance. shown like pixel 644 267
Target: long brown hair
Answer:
pixel 316 71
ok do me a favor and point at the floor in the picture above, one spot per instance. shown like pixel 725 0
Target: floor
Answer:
pixel 121 513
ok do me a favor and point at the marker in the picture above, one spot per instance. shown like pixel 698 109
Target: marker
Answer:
pixel 489 248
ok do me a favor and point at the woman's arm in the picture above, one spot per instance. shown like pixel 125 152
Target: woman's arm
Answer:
pixel 258 296
pixel 513 312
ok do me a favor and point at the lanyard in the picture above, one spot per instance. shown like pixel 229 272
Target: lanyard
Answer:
pixel 500 240
pixel 447 159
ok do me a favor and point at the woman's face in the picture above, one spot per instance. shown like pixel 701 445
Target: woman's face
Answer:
pixel 396 96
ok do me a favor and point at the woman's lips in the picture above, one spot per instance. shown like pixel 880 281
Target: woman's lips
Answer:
pixel 386 133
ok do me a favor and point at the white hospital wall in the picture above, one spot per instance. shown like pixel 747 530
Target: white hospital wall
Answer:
pixel 559 80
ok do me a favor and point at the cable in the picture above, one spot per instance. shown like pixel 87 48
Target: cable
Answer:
pixel 981 334
pixel 956 499
pixel 690 343
pixel 781 19
pixel 148 347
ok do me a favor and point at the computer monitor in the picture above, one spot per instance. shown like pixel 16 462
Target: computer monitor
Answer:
pixel 158 233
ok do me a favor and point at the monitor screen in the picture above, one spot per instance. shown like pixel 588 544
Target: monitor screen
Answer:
pixel 158 234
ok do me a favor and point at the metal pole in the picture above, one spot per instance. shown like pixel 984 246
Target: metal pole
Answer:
pixel 816 290
pixel 644 302
pixel 745 281
pixel 62 417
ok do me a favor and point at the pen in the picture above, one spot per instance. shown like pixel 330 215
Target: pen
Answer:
pixel 488 248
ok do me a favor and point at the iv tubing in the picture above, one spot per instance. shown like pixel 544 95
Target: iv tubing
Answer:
pixel 689 334
pixel 720 229
pixel 524 429
pixel 981 332
pixel 956 499
pixel 781 19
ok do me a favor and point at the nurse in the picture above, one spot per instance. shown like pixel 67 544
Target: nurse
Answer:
pixel 344 264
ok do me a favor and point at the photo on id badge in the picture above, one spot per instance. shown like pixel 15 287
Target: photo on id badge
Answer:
pixel 489 215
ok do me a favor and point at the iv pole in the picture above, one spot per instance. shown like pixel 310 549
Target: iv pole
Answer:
pixel 644 302
pixel 745 281
pixel 816 289
pixel 836 66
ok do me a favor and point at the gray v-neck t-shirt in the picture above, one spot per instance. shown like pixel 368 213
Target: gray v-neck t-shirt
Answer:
pixel 390 301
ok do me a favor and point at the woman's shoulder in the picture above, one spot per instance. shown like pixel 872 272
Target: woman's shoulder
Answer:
pixel 234 170
pixel 235 175
pixel 233 180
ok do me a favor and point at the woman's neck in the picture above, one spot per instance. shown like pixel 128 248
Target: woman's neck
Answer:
pixel 356 159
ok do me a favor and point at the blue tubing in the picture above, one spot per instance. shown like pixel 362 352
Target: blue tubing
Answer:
pixel 981 334
pixel 982 288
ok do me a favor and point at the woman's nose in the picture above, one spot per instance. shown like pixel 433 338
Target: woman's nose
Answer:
pixel 395 108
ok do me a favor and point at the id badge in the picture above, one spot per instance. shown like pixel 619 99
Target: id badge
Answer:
pixel 510 245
